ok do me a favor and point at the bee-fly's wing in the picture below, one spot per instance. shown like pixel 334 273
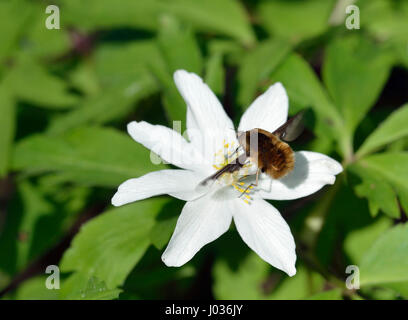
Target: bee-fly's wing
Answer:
pixel 216 175
pixel 292 128
pixel 205 185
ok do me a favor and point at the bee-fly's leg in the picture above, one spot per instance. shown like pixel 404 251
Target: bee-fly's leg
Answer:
pixel 252 184
pixel 242 178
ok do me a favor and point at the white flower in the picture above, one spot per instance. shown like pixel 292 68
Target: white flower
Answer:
pixel 206 216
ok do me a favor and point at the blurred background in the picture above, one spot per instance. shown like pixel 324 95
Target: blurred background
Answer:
pixel 67 94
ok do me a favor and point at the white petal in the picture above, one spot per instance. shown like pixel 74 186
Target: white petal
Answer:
pixel 265 231
pixel 178 183
pixel 201 222
pixel 206 110
pixel 312 171
pixel 207 123
pixel 269 111
pixel 168 144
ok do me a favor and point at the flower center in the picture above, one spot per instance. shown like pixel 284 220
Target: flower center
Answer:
pixel 227 155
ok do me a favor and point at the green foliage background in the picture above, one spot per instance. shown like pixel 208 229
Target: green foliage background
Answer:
pixel 65 99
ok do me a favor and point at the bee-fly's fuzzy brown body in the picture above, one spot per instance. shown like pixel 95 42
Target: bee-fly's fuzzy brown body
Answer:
pixel 272 156
pixel 268 150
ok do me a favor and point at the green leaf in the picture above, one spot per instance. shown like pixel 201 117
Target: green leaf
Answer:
pixel 34 289
pixel 113 103
pixel 180 50
pixel 391 129
pixel 300 286
pixel 110 245
pixel 392 167
pixel 251 280
pixel 333 294
pixel 118 64
pixel 43 42
pixel 400 50
pixel 360 240
pixel 14 15
pixel 179 46
pixel 165 223
pixel 305 89
pixel 398 145
pixel 19 239
pixel 403 197
pixel 7 128
pixel 173 103
pixel 205 15
pixel 400 287
pixel 162 231
pixel 387 20
pixel 243 283
pixel 83 78
pixel 215 73
pixel 257 65
pixel 82 287
pixel 105 14
pixel 355 71
pixel 379 193
pixel 81 155
pixel 232 51
pixel 38 216
pixel 343 209
pixel 209 15
pixel 386 261
pixel 30 82
pixel 295 20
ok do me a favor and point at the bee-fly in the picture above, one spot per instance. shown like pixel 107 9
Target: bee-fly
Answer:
pixel 269 151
